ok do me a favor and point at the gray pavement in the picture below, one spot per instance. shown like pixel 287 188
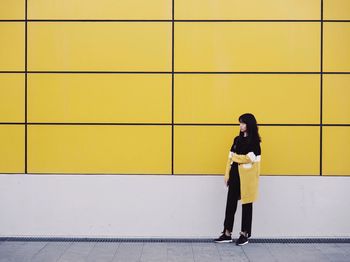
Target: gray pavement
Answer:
pixel 61 251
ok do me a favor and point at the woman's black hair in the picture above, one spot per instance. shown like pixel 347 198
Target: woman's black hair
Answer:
pixel 252 127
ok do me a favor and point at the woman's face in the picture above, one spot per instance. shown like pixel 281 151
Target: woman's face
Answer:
pixel 243 127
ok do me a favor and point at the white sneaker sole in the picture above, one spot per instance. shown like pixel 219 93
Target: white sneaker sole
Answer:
pixel 224 241
pixel 243 243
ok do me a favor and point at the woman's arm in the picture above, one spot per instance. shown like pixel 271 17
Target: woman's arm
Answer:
pixel 229 161
pixel 251 157
pixel 228 166
pixel 244 159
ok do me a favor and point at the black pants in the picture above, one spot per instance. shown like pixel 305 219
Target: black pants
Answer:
pixel 233 195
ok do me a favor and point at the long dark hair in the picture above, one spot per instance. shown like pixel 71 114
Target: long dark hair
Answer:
pixel 252 127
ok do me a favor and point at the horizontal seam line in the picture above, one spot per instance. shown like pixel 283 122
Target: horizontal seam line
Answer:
pixel 176 20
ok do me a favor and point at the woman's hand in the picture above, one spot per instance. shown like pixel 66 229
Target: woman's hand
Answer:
pixel 226 181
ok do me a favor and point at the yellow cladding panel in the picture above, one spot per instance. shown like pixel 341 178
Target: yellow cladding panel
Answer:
pixel 99 98
pixel 12 149
pixel 335 151
pixel 336 98
pixel 99 149
pixel 11 46
pixel 99 46
pixel 285 150
pixel 202 149
pixel 223 98
pixel 102 9
pixel 290 150
pixel 252 9
pixel 336 51
pixel 336 9
pixel 12 98
pixel 12 9
pixel 247 46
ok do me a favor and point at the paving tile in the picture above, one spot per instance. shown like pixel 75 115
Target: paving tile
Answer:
pixel 8 248
pixel 281 252
pixel 128 252
pixel 103 252
pixel 345 247
pixel 27 251
pixel 51 252
pixel 77 252
pixel 257 252
pixel 333 252
pixel 154 252
pixel 205 252
pixel 180 252
pixel 231 252
pixel 307 252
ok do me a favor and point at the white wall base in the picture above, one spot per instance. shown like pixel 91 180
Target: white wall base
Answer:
pixel 167 206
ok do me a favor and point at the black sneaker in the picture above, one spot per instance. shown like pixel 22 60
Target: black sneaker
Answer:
pixel 223 239
pixel 242 240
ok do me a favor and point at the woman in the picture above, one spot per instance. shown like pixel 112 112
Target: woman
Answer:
pixel 242 178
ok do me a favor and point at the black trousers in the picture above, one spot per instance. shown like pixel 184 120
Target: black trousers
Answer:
pixel 233 195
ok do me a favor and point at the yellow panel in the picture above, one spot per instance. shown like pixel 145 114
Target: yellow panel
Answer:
pixel 290 150
pixel 223 98
pixel 285 150
pixel 12 46
pixel 12 9
pixel 99 149
pixel 336 98
pixel 247 46
pixel 102 9
pixel 336 51
pixel 12 149
pixel 100 46
pixel 202 149
pixel 12 98
pixel 99 98
pixel 252 9
pixel 335 151
pixel 336 9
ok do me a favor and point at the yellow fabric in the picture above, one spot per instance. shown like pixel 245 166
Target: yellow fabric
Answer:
pixel 241 159
pixel 249 176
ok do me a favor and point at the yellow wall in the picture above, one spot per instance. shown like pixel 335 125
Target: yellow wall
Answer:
pixel 108 89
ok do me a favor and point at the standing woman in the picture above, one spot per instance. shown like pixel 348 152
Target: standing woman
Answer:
pixel 242 178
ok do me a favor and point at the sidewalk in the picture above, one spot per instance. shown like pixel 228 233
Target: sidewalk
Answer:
pixel 102 251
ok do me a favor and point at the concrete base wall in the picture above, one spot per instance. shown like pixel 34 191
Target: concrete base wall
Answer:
pixel 167 206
